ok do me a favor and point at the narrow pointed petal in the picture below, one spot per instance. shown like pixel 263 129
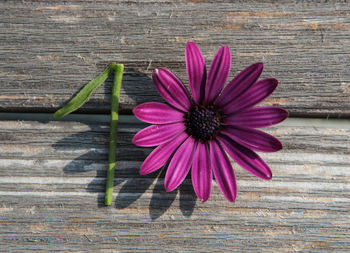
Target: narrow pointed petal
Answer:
pixel 253 139
pixel 196 71
pixel 217 74
pixel 239 84
pixel 202 175
pixel 223 171
pixel 257 117
pixel 158 113
pixel 180 165
pixel 171 89
pixel 161 155
pixel 157 134
pixel 246 158
pixel 254 95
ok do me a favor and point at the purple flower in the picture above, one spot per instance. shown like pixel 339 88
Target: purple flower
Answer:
pixel 195 131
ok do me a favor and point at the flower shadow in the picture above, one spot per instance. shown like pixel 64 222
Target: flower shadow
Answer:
pixel 161 200
pixel 133 189
pixel 129 157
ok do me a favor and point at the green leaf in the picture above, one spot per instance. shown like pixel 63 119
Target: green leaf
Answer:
pixel 85 93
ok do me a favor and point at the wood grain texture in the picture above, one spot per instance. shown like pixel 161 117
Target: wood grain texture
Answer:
pixel 50 49
pixel 52 178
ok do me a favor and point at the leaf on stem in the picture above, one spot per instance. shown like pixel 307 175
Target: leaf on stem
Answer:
pixel 83 95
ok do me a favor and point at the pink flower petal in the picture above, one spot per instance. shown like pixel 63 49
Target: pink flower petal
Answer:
pixel 223 171
pixel 201 172
pixel 246 158
pixel 171 89
pixel 180 165
pixel 239 84
pixel 257 117
pixel 253 139
pixel 257 93
pixel 218 73
pixel 158 113
pixel 157 134
pixel 196 71
pixel 161 155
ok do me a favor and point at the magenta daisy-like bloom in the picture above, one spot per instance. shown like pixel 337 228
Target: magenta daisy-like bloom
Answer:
pixel 195 131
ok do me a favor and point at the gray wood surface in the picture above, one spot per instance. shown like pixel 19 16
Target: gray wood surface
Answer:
pixel 52 178
pixel 52 173
pixel 50 49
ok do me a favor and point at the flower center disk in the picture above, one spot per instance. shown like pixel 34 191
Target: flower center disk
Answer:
pixel 202 123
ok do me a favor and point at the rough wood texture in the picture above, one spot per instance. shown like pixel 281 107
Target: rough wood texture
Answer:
pixel 52 174
pixel 50 49
pixel 52 183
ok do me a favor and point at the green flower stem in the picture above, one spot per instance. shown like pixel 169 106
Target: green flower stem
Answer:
pixel 82 97
pixel 117 83
pixel 85 93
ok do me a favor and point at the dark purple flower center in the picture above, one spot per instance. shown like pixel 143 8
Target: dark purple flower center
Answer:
pixel 202 123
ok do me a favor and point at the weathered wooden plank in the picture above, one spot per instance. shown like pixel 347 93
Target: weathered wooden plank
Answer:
pixel 52 183
pixel 49 50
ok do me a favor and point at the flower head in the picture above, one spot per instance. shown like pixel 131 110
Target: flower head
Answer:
pixel 194 131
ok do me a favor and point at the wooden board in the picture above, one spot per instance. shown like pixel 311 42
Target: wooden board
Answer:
pixel 52 177
pixel 50 49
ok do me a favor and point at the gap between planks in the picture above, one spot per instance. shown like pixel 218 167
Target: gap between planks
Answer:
pixel 103 118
